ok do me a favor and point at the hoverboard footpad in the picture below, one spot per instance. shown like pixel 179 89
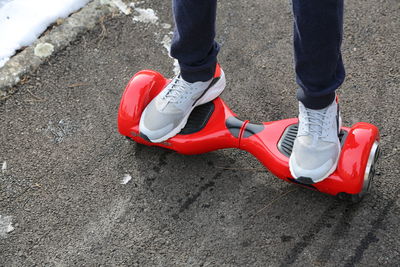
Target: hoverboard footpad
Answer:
pixel 198 118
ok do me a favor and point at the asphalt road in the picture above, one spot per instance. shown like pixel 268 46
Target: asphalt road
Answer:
pixel 61 186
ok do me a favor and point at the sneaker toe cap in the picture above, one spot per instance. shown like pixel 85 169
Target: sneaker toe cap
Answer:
pixel 154 134
pixel 315 174
pixel 155 124
pixel 314 162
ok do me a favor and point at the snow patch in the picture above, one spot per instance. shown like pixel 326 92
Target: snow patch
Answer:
pixel 146 15
pixel 44 50
pixel 4 166
pixel 126 179
pixel 5 225
pixel 3 60
pixel 166 42
pixel 177 68
pixel 166 26
pixel 22 21
pixel 3 2
pixel 119 4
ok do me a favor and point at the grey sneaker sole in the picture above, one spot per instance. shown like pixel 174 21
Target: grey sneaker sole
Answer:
pixel 212 93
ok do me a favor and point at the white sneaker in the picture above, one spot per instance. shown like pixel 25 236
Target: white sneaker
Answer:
pixel 316 149
pixel 168 112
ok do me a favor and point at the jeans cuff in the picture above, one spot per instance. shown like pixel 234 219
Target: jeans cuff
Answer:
pixel 315 102
pixel 202 75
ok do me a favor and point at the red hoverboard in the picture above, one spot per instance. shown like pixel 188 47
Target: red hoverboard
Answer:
pixel 214 126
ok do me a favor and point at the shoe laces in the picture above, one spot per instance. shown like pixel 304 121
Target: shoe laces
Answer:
pixel 177 87
pixel 316 122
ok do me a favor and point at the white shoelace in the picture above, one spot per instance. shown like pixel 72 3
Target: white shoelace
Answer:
pixel 177 87
pixel 315 120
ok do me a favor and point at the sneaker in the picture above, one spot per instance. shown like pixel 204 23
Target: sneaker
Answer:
pixel 168 112
pixel 316 148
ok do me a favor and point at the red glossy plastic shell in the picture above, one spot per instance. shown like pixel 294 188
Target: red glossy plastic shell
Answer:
pixel 348 178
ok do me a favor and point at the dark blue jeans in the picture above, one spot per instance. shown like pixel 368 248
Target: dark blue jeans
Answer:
pixel 318 31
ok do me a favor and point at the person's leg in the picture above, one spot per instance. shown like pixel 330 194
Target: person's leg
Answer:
pixel 201 80
pixel 318 32
pixel 193 42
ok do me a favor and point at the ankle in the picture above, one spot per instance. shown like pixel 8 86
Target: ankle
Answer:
pixel 317 103
pixel 196 75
